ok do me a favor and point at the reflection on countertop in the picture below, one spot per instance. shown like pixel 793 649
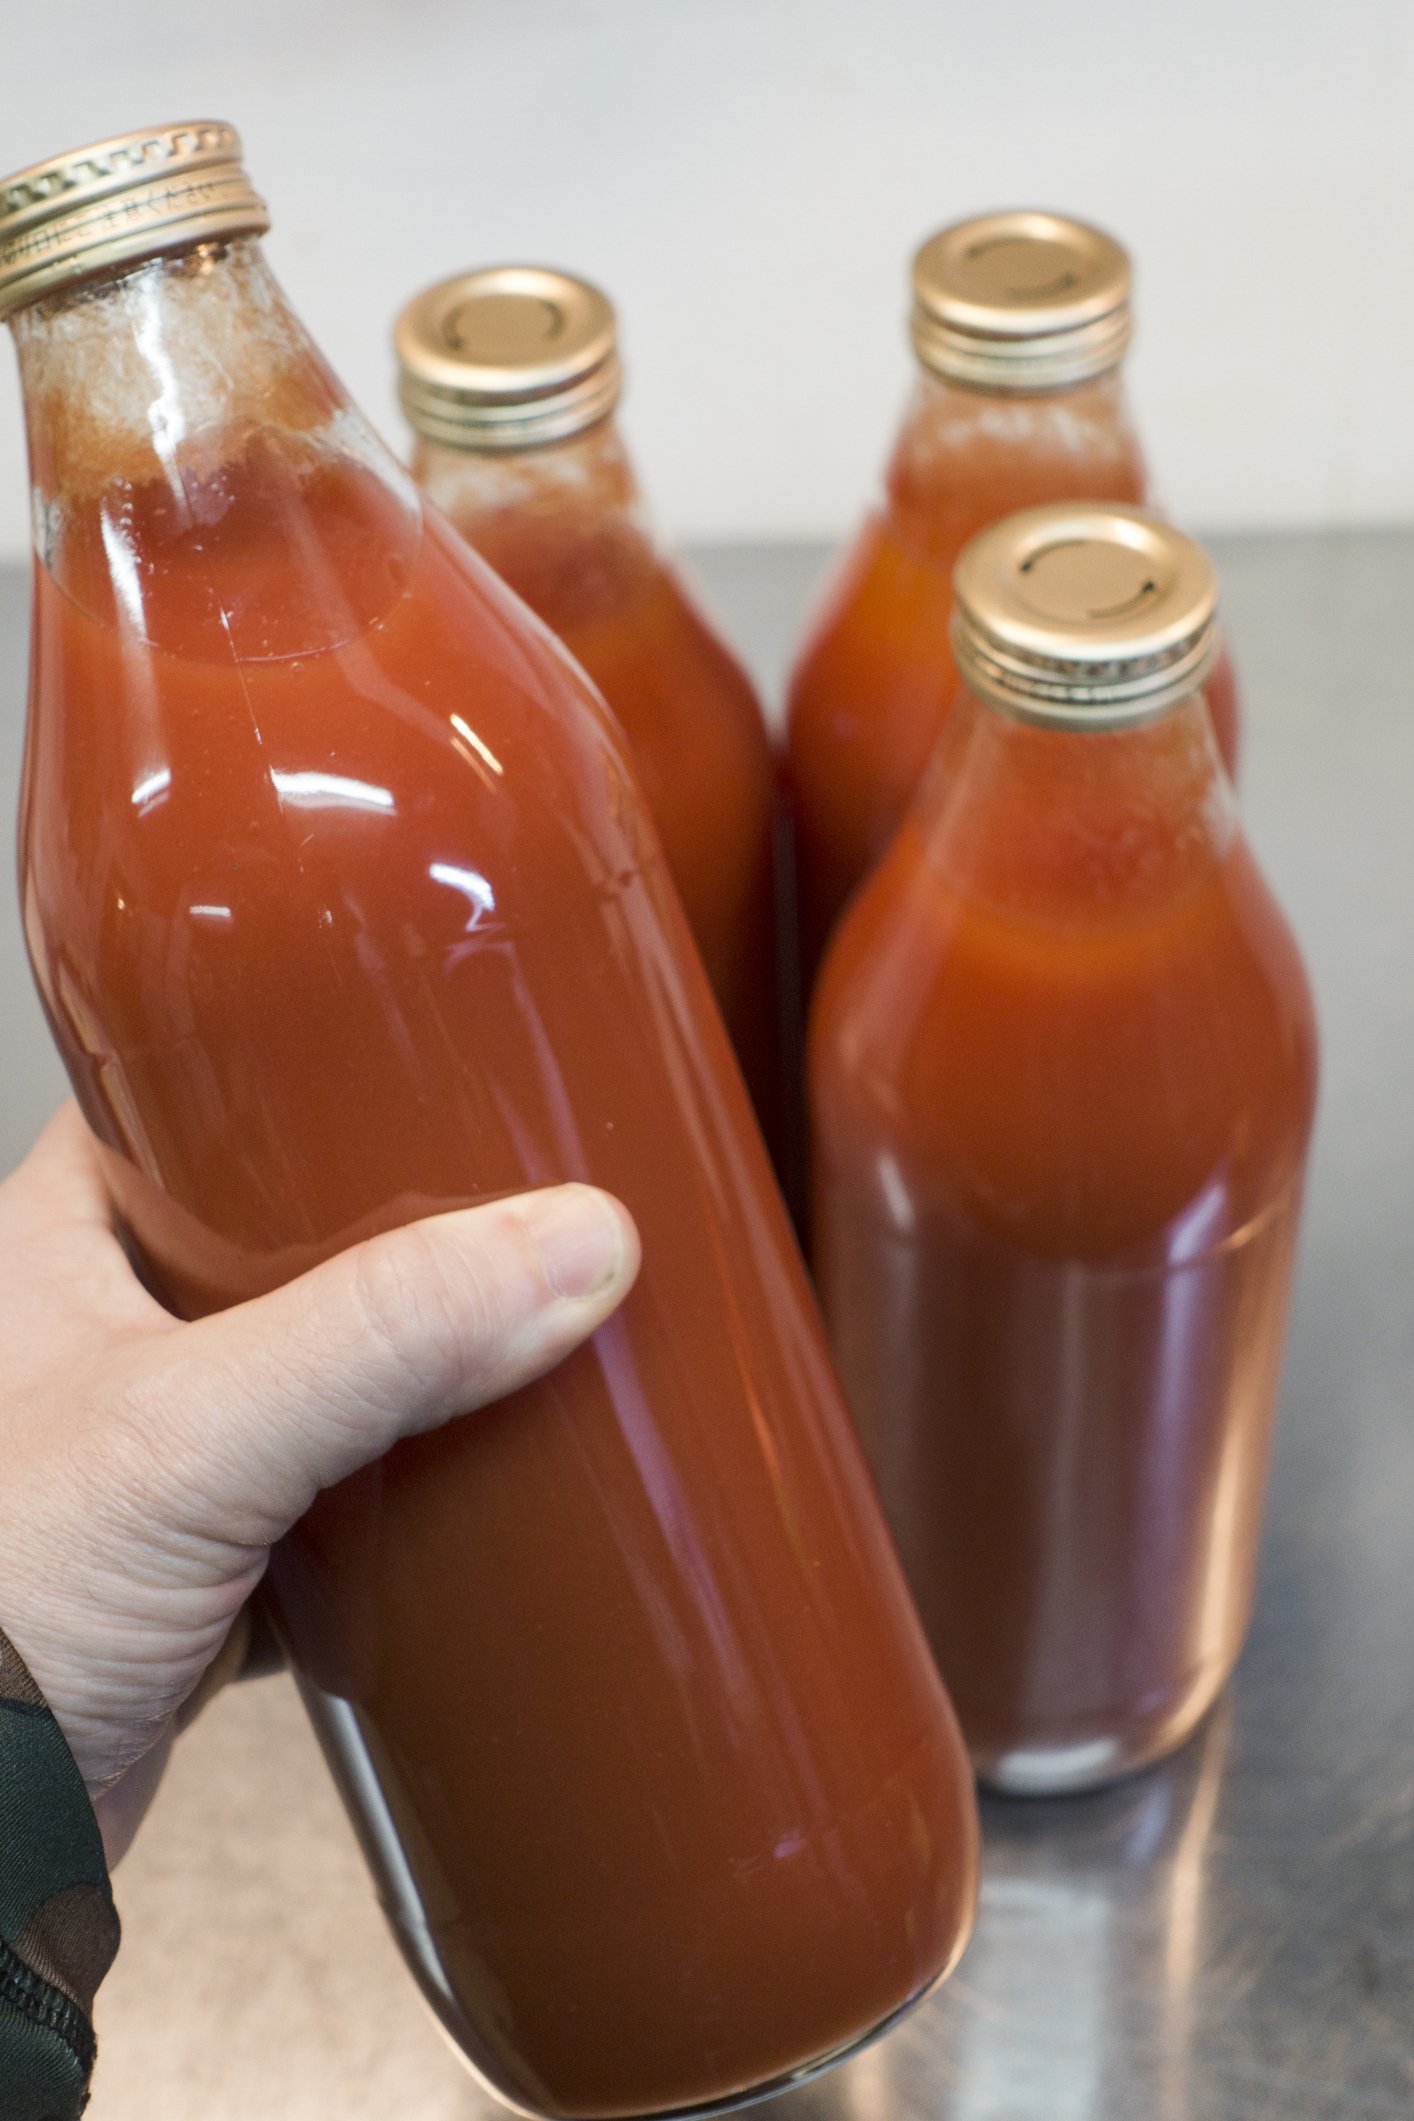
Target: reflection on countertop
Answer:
pixel 1230 1938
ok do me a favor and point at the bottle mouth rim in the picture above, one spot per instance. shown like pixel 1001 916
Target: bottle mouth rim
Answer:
pixel 1021 364
pixel 1118 694
pixel 460 420
pixel 135 195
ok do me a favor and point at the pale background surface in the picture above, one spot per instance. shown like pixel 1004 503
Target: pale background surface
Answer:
pixel 749 176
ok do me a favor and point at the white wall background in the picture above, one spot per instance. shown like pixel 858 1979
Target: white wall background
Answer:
pixel 747 177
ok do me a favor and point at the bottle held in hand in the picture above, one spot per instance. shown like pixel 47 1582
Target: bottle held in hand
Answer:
pixel 345 907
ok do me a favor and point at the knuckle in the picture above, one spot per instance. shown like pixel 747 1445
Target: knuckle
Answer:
pixel 432 1308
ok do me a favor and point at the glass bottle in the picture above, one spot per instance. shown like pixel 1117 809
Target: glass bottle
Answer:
pixel 1062 1067
pixel 343 908
pixel 1020 323
pixel 510 377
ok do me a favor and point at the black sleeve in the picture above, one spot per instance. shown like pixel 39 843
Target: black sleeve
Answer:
pixel 58 1925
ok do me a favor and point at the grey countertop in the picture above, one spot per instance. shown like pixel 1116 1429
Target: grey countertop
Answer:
pixel 1229 1938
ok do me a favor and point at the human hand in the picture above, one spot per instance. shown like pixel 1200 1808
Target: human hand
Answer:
pixel 147 1465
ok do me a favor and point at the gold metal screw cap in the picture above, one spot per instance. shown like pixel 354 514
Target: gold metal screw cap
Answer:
pixel 507 358
pixel 1085 615
pixel 130 197
pixel 1021 301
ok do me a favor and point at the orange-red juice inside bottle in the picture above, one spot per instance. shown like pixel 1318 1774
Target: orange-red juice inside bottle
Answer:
pixel 561 520
pixel 1063 1066
pixel 875 679
pixel 344 909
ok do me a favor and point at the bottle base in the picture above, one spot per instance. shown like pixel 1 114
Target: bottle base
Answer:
pixel 337 1727
pixel 1094 1760
pixel 419 1957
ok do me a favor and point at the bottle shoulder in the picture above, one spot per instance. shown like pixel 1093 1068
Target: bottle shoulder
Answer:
pixel 963 458
pixel 624 611
pixel 1081 1088
pixel 880 635
pixel 875 673
pixel 453 726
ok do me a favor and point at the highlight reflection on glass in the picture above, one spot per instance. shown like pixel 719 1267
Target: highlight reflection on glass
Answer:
pixel 483 751
pixel 316 790
pixel 482 898
pixel 151 787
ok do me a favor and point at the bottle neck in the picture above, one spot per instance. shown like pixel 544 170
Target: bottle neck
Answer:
pixel 162 367
pixel 564 524
pixel 966 457
pixel 1057 827
pixel 196 467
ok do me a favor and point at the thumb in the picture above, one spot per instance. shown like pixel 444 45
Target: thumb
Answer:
pixel 260 1407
